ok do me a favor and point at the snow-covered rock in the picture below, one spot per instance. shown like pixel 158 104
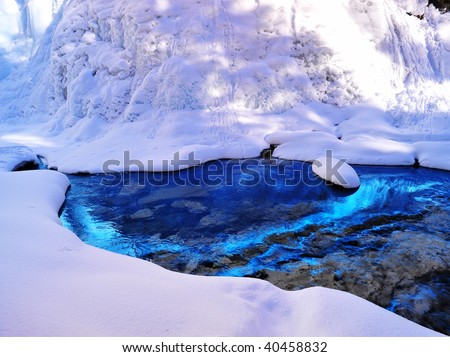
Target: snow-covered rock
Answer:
pixel 434 154
pixel 13 157
pixel 336 171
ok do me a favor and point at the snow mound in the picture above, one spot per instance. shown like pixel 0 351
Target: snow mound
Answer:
pixel 434 154
pixel 55 285
pixel 13 157
pixel 159 77
pixel 336 171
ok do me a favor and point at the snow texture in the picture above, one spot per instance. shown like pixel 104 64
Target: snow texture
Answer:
pixel 336 171
pixel 52 284
pixel 22 25
pixel 13 157
pixel 362 78
pixel 223 79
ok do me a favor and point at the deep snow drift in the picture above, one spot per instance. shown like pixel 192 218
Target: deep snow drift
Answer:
pixel 228 78
pixel 52 284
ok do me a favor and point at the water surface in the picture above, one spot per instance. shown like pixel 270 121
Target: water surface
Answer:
pixel 274 219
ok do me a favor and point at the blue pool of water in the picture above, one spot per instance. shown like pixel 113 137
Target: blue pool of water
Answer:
pixel 275 220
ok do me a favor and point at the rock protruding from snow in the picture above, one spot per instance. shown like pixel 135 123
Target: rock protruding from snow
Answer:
pixel 13 157
pixel 336 171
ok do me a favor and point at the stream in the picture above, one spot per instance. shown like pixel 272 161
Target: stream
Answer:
pixel 386 242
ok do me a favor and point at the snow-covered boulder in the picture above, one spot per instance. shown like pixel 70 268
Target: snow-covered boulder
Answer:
pixel 13 157
pixel 336 171
pixel 433 154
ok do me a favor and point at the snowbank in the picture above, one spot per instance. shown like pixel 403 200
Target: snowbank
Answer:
pixel 12 157
pixel 54 285
pixel 363 78
pixel 434 154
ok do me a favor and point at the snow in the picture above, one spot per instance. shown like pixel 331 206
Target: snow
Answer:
pixel 156 78
pixel 8 11
pixel 22 25
pixel 9 27
pixel 434 154
pixel 336 171
pixel 360 149
pixel 151 81
pixel 12 157
pixel 415 7
pixel 54 285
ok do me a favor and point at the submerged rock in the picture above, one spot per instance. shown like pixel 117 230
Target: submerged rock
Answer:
pixel 174 193
pixel 191 206
pixel 398 272
pixel 216 218
pixel 142 214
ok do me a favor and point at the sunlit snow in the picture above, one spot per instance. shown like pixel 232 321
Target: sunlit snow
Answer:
pixel 87 81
